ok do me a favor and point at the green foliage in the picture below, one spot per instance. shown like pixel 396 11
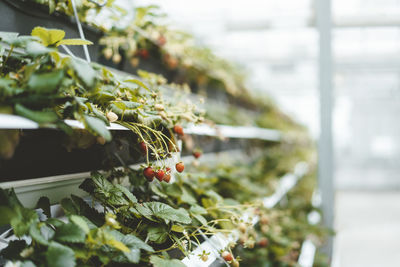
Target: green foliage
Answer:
pixel 160 262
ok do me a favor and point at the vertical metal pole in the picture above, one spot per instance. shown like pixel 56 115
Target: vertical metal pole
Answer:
pixel 325 165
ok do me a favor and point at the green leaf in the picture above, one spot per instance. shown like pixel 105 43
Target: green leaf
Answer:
pixel 79 221
pixel 23 221
pixel 36 235
pixel 143 210
pixel 48 36
pixel 160 262
pixel 60 256
pixel 85 72
pixel 97 126
pixel 73 42
pixel 54 222
pixel 198 209
pixel 187 197
pixel 133 255
pixel 44 204
pixel 41 117
pixel 27 264
pixel 88 212
pixel 118 245
pixel 127 193
pixel 140 83
pixel 37 49
pixel 177 228
pixel 68 206
pixel 157 234
pixel 46 83
pixel 70 233
pixel 200 218
pixel 131 241
pixel 166 212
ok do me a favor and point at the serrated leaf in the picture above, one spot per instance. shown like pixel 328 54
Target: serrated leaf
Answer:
pixel 60 256
pixel 131 241
pixel 48 36
pixel 200 218
pixel 97 126
pixel 36 235
pixel 160 262
pixel 143 210
pixel 88 212
pixel 155 188
pixel 74 42
pixel 186 197
pixel 166 212
pixel 118 245
pixel 68 206
pixel 198 209
pixel 85 72
pixel 79 221
pixel 70 233
pixel 23 221
pixel 127 193
pixel 46 83
pixel 44 204
pixel 133 255
pixel 157 234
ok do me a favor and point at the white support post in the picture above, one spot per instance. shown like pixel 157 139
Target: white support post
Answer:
pixel 325 168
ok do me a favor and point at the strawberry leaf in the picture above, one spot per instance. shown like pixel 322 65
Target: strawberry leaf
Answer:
pixel 70 233
pixel 60 256
pixel 160 262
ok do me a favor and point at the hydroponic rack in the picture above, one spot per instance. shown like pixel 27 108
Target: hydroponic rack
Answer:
pixel 59 186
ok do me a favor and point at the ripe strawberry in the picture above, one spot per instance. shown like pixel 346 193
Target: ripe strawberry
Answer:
pixel 263 242
pixel 160 175
pixel 168 169
pixel 180 166
pixel 167 177
pixel 197 154
pixel 144 53
pixel 178 130
pixel 143 147
pixel 149 173
pixel 227 256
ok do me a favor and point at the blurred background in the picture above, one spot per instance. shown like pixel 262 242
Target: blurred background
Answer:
pixel 276 42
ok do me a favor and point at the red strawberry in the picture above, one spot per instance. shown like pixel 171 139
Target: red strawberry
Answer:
pixel 167 177
pixel 226 255
pixel 178 130
pixel 197 154
pixel 263 242
pixel 144 53
pixel 168 169
pixel 180 166
pixel 143 147
pixel 160 175
pixel 149 173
